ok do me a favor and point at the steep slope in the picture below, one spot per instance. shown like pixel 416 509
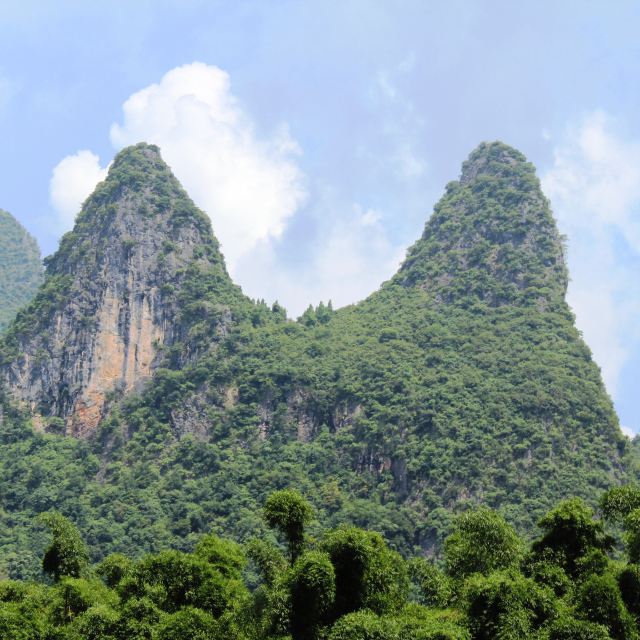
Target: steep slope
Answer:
pixel 20 268
pixel 112 296
pixel 492 238
pixel 500 402
pixel 462 380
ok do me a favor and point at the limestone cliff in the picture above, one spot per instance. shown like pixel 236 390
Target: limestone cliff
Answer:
pixel 462 380
pixel 112 296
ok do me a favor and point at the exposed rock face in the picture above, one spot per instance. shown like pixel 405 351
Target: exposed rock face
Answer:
pixel 461 380
pixel 111 298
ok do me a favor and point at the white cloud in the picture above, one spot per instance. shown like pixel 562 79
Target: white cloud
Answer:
pixel 370 217
pixel 594 188
pixel 252 187
pixel 72 181
pixel 630 433
pixel 402 127
pixel 249 185
pixel 351 256
pixel 355 258
pixel 407 162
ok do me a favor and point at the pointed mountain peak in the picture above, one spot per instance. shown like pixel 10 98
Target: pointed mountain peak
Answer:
pixel 142 158
pixel 135 168
pixel 141 153
pixel 140 198
pixel 139 269
pixel 494 159
pixel 492 237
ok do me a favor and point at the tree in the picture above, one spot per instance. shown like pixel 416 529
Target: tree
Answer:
pixel 99 622
pixel 417 622
pixel 567 628
pixel 631 525
pixel 313 590
pixel 67 554
pixel 368 574
pixel 482 542
pixel 434 586
pixel 363 625
pixel 224 556
pixel 288 512
pixel 617 503
pixel 629 583
pixel 267 558
pixel 114 568
pixel 570 532
pixel 188 624
pixel 600 601
pixel 622 505
pixel 16 625
pixel 182 579
pixel 506 605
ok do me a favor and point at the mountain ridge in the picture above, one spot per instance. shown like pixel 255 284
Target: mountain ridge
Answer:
pixel 461 380
pixel 111 294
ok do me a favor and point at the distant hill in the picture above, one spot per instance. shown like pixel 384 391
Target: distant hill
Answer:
pixel 462 380
pixel 20 268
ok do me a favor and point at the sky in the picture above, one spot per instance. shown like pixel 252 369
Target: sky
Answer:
pixel 318 135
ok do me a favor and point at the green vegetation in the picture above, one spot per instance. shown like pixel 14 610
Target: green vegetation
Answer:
pixel 67 555
pixel 462 381
pixel 286 511
pixel 20 268
pixel 345 584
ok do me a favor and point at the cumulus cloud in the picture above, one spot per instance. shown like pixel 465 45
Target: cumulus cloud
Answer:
pixel 349 256
pixel 250 185
pixel 628 432
pixel 355 257
pixel 594 188
pixel 72 181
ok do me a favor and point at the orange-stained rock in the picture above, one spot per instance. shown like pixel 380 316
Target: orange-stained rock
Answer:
pixel 110 301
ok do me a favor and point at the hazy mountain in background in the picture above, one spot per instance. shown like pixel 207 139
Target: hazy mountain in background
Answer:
pixel 20 268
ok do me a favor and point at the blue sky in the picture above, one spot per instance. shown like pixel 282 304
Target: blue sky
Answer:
pixel 318 135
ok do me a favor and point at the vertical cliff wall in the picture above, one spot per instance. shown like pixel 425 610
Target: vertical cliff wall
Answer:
pixel 111 299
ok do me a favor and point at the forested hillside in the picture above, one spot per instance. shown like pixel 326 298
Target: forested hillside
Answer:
pixel 345 583
pixel 20 268
pixel 461 381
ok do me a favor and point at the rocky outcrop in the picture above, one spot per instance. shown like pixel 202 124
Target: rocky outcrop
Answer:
pixel 112 296
pixel 461 380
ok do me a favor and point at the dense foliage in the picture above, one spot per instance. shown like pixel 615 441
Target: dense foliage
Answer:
pixel 462 381
pixel 20 268
pixel 344 584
